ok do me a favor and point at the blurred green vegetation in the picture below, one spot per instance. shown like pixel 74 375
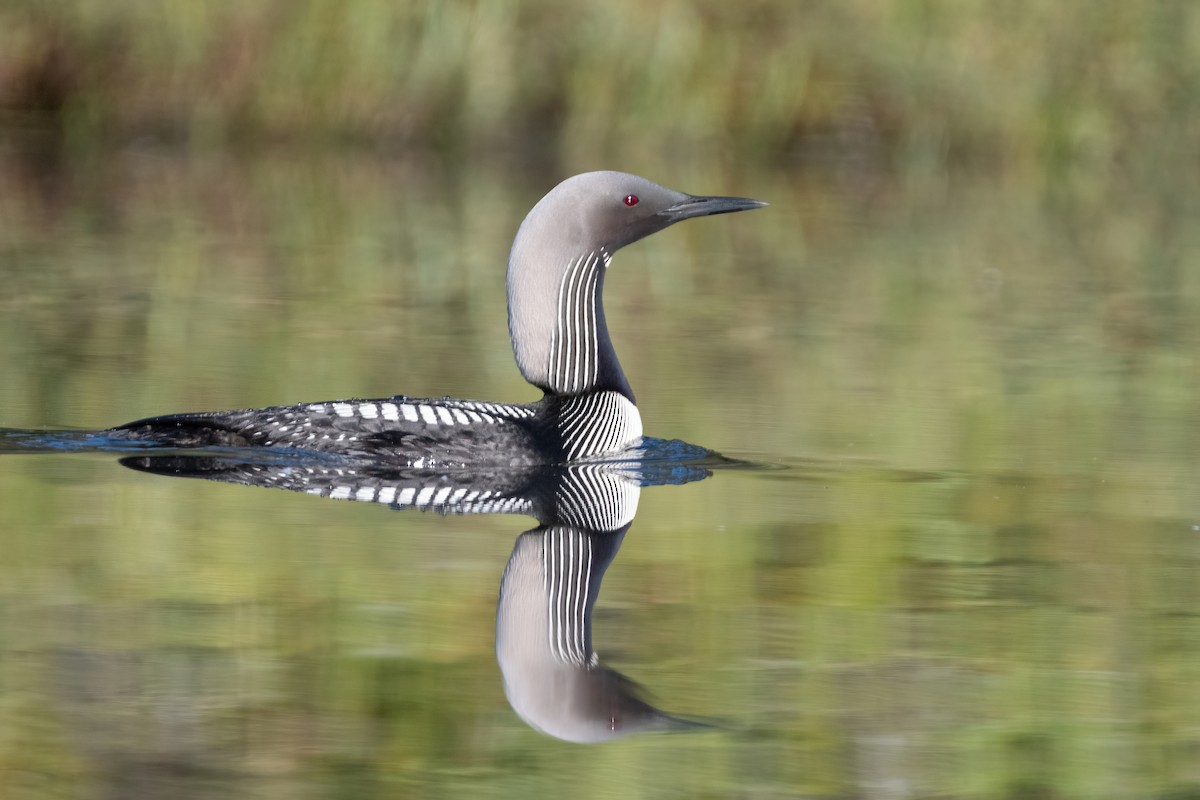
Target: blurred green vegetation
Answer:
pixel 1038 81
pixel 978 579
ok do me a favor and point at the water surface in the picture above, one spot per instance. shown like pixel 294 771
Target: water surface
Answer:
pixel 975 574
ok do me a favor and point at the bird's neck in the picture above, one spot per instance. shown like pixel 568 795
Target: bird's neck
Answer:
pixel 556 320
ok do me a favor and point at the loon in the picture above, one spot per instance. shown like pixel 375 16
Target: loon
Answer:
pixel 555 279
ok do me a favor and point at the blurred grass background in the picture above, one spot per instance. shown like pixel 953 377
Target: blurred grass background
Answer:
pixel 1036 81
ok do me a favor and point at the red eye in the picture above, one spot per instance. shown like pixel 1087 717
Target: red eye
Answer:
pixel 631 200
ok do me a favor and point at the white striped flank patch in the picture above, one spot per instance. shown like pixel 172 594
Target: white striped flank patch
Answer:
pixel 458 412
pixel 574 345
pixel 593 424
pixel 475 411
pixel 326 425
pixel 567 575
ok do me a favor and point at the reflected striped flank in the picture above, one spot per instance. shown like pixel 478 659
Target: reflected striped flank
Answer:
pixel 598 498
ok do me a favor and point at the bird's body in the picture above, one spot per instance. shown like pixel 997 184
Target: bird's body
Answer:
pixel 423 433
pixel 556 272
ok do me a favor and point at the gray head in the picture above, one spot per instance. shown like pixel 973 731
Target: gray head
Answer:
pixel 557 265
pixel 553 678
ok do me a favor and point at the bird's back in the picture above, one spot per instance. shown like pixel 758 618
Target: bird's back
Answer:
pixel 423 433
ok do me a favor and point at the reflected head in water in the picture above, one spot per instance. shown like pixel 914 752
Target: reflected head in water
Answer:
pixel 553 678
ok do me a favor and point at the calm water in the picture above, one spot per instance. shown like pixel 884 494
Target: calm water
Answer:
pixel 973 572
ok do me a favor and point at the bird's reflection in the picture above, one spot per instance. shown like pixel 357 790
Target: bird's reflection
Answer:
pixel 553 678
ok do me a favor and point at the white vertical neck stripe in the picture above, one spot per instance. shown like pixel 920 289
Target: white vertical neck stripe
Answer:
pixel 574 343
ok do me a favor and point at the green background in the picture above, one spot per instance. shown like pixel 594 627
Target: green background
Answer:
pixel 967 324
